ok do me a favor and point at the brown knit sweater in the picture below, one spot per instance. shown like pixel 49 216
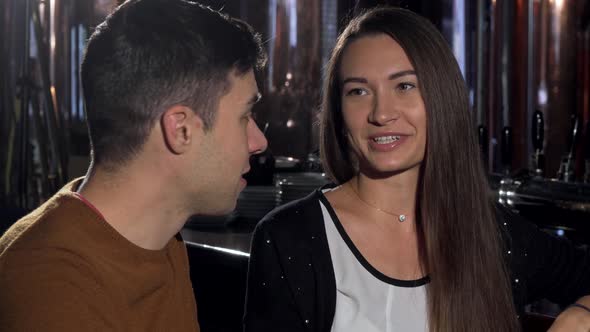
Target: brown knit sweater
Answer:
pixel 64 268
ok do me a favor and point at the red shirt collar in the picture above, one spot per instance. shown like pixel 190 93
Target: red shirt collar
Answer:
pixel 90 205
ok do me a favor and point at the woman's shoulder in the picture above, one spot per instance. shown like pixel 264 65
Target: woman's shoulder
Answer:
pixel 294 217
pixel 513 226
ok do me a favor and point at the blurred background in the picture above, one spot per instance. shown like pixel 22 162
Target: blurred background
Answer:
pixel 526 63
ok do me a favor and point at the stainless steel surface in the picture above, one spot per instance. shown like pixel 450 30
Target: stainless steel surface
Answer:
pixel 508 70
pixel 228 240
pixel 557 206
pixel 13 31
pixel 525 60
pixel 291 91
pixel 528 54
pixel 555 84
pixel 504 70
pixel 52 158
pixel 482 33
pixel 532 65
pixel 292 186
pixel 42 43
pixel 538 137
pixel 584 91
pixel 50 111
pixel 567 165
pixel 539 166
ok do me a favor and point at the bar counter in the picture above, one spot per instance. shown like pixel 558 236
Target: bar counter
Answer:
pixel 233 236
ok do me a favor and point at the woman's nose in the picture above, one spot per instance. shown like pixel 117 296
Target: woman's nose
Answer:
pixel 384 110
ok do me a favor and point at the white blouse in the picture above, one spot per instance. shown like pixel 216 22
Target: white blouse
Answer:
pixel 366 299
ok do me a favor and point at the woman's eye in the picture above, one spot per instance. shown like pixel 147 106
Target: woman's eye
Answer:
pixel 356 92
pixel 406 86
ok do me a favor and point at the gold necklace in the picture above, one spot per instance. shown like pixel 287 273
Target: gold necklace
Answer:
pixel 400 217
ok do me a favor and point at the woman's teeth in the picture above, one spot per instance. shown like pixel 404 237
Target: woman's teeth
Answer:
pixel 386 139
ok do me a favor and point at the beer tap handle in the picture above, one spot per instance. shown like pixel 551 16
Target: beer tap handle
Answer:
pixel 538 134
pixel 573 139
pixel 566 168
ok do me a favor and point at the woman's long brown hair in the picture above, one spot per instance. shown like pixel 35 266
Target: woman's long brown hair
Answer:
pixel 460 245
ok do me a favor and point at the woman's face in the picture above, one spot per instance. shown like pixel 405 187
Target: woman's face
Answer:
pixel 383 110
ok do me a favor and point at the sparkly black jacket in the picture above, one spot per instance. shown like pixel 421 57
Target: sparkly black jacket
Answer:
pixel 292 287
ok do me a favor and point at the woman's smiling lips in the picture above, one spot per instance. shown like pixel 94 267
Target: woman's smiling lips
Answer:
pixel 385 142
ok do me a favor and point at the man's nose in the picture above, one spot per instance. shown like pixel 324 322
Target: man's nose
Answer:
pixel 257 142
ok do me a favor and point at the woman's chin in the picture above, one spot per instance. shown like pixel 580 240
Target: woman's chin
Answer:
pixel 387 170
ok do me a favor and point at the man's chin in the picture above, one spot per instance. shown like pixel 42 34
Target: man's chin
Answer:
pixel 224 210
pixel 216 211
pixel 217 205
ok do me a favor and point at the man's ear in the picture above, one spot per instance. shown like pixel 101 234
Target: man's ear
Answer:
pixel 180 127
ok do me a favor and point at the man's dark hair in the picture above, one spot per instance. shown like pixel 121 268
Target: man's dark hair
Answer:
pixel 149 55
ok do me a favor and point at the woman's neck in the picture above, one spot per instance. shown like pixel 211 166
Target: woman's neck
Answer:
pixel 396 193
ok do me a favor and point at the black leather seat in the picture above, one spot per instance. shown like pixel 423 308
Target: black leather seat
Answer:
pixel 219 284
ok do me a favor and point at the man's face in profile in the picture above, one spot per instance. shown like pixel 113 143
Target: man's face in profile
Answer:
pixel 233 138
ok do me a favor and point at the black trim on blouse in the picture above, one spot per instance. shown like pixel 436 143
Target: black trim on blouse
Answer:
pixel 292 287
pixel 359 256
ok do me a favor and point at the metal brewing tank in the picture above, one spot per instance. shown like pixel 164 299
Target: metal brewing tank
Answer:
pixel 47 144
pixel 293 78
pixel 41 111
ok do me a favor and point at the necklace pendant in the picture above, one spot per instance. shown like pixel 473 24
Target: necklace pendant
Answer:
pixel 402 217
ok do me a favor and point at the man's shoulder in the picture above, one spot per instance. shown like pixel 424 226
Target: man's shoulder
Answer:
pixel 48 282
pixel 47 220
pixel 37 260
pixel 53 224
pixel 34 251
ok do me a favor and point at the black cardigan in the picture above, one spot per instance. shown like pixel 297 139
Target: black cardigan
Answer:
pixel 292 287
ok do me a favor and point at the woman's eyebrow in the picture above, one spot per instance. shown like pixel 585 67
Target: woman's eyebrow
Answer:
pixel 391 77
pixel 402 73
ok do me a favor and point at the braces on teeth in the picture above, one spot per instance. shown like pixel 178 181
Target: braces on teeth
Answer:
pixel 386 139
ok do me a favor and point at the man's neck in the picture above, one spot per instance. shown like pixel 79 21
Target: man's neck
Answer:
pixel 136 205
